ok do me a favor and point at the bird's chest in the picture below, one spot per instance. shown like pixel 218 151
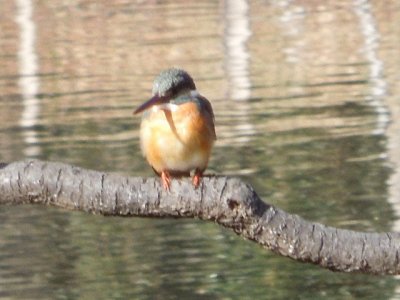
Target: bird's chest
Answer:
pixel 175 139
pixel 176 124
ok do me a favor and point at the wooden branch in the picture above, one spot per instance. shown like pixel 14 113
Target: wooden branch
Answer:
pixel 226 201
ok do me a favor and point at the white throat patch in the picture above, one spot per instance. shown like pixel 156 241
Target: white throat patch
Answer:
pixel 165 106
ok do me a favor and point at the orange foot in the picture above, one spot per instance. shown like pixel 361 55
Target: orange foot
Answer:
pixel 197 178
pixel 166 180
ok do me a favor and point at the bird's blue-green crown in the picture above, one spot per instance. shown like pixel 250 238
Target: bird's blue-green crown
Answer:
pixel 172 82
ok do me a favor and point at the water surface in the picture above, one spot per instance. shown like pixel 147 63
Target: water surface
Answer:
pixel 307 108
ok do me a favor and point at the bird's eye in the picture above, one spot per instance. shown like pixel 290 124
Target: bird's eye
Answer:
pixel 168 94
pixel 173 91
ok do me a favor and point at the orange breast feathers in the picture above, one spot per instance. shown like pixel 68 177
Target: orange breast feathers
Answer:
pixel 178 137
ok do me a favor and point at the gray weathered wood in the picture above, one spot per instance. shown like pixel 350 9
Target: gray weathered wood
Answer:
pixel 226 201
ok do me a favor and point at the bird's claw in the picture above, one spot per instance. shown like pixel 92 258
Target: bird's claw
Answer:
pixel 166 180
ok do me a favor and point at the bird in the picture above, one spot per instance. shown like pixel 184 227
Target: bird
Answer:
pixel 177 130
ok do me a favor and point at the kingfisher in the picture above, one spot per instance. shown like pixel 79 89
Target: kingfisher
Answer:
pixel 177 130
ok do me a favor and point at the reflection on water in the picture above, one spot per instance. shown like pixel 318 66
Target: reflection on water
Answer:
pixel 237 64
pixel 28 75
pixel 306 110
pixel 376 67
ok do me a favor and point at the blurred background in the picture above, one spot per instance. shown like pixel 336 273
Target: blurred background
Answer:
pixel 306 97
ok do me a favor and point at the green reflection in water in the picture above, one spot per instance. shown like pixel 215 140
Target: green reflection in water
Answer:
pixel 74 255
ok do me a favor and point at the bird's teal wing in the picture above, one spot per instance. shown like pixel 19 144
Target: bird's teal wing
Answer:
pixel 205 105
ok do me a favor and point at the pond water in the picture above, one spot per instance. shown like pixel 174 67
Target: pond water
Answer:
pixel 306 99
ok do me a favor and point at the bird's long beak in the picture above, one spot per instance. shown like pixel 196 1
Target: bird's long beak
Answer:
pixel 149 103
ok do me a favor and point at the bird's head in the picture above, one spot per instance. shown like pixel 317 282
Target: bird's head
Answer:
pixel 166 86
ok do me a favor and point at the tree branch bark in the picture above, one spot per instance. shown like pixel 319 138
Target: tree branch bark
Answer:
pixel 226 201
